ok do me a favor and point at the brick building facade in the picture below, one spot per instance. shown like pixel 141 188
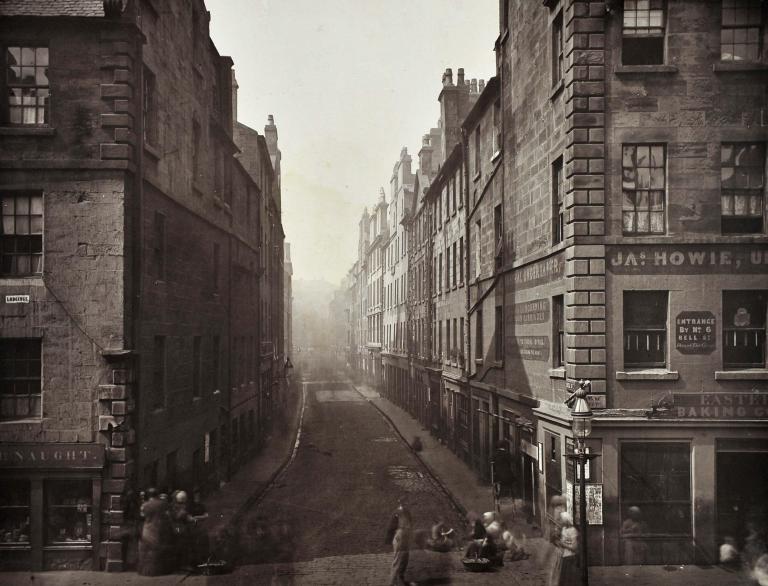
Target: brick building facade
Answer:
pixel 133 265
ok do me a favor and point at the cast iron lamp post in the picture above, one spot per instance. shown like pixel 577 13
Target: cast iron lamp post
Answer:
pixel 581 425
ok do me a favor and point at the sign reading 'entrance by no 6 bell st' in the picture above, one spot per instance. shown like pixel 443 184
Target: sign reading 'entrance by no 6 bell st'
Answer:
pixel 695 332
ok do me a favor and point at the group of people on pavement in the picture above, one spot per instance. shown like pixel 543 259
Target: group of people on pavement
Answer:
pixel 170 537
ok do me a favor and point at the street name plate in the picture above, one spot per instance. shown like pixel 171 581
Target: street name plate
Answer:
pixel 17 298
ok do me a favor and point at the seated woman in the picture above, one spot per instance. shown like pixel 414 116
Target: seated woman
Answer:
pixel 441 537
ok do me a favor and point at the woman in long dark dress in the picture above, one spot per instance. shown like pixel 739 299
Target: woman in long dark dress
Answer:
pixel 155 541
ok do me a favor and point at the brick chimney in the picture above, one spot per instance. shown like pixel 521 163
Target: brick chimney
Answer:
pixel 454 106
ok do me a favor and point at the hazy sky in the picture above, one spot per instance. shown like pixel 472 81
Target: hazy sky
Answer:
pixel 350 82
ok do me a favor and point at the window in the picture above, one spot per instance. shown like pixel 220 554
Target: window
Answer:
pixel 454 272
pixel 497 135
pixel 15 511
pixel 453 192
pixel 196 150
pixel 461 341
pixel 439 339
pixel 498 237
pixel 479 334
pixel 478 226
pixel 741 30
pixel 440 273
pixel 69 511
pixel 455 341
pixel 656 478
pixel 558 331
pixel 158 251
pixel 21 247
pixel 499 347
pixel 158 374
pixel 742 187
pixel 461 259
pixel 643 183
pixel 558 61
pixel 196 365
pixel 645 328
pixel 643 32
pixel 477 150
pixel 27 87
pixel 744 329
pixel 20 378
pixel 149 107
pixel 558 201
pixel 448 349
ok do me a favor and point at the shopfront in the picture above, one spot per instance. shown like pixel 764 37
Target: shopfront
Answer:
pixel 50 498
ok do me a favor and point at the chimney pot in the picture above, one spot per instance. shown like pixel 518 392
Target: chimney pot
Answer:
pixel 481 87
pixel 460 77
pixel 270 119
pixel 448 77
pixel 473 86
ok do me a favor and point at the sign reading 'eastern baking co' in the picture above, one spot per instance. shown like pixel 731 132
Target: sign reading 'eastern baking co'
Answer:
pixel 51 456
pixel 719 406
pixel 695 332
pixel 686 259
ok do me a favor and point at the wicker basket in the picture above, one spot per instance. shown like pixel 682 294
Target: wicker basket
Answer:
pixel 477 564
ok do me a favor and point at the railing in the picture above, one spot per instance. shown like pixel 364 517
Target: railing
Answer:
pixel 645 347
pixel 744 347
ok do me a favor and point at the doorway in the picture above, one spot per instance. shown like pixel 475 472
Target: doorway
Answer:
pixel 742 483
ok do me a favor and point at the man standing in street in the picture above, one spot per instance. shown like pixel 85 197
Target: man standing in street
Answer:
pixel 399 534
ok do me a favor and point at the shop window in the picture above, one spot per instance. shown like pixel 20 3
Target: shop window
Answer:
pixel 656 483
pixel 14 512
pixel 742 30
pixel 643 183
pixel 27 86
pixel 744 329
pixel 643 32
pixel 558 201
pixel 69 512
pixel 742 187
pixel 645 329
pixel 20 378
pixel 21 246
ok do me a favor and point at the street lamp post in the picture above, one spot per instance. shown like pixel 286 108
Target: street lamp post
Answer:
pixel 581 425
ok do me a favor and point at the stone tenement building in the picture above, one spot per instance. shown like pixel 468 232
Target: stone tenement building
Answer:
pixel 141 274
pixel 615 190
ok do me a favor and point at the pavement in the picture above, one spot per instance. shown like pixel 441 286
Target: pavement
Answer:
pixel 249 484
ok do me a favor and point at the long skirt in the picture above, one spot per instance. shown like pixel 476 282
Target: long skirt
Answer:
pixel 399 565
pixel 153 559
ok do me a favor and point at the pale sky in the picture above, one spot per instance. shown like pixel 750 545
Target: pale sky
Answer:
pixel 350 82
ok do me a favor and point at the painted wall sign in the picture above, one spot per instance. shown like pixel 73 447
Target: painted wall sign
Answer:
pixel 17 298
pixel 718 406
pixel 51 456
pixel 695 332
pixel 536 273
pixel 531 347
pixel 535 311
pixel 686 259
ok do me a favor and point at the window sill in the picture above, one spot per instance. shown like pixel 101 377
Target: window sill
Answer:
pixel 152 151
pixel 27 421
pixel 476 177
pixel 495 156
pixel 746 374
pixel 647 374
pixel 556 89
pixel 739 66
pixel 11 280
pixel 558 372
pixel 27 131
pixel 632 69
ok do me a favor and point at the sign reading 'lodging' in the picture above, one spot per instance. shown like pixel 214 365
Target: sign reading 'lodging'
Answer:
pixel 51 456
pixel 695 332
pixel 17 298
pixel 687 259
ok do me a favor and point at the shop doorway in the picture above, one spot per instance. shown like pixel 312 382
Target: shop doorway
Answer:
pixel 742 485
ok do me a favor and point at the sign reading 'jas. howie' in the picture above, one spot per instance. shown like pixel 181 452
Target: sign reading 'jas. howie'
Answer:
pixel 686 259
pixel 695 332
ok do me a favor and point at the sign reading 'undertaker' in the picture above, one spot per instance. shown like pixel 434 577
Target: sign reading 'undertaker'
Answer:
pixel 687 259
pixel 539 272
pixel 51 456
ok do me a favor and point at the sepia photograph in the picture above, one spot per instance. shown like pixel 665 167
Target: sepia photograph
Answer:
pixel 383 292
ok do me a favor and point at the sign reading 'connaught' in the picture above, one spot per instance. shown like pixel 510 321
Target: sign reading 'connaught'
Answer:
pixel 51 456
pixel 687 259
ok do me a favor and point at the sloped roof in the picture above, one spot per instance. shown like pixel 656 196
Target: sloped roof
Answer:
pixel 52 8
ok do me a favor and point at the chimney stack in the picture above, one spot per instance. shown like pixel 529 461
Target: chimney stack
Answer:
pixel 460 77
pixel 448 77
pixel 481 86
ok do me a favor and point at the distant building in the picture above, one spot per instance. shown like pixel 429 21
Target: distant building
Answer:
pixel 131 257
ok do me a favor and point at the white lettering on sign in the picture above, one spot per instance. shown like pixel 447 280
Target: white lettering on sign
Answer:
pixel 17 298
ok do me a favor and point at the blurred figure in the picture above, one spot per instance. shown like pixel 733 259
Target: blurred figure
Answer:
pixel 565 571
pixel 155 541
pixel 182 523
pixel 633 527
pixel 729 554
pixel 760 571
pixel 399 535
pixel 441 537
